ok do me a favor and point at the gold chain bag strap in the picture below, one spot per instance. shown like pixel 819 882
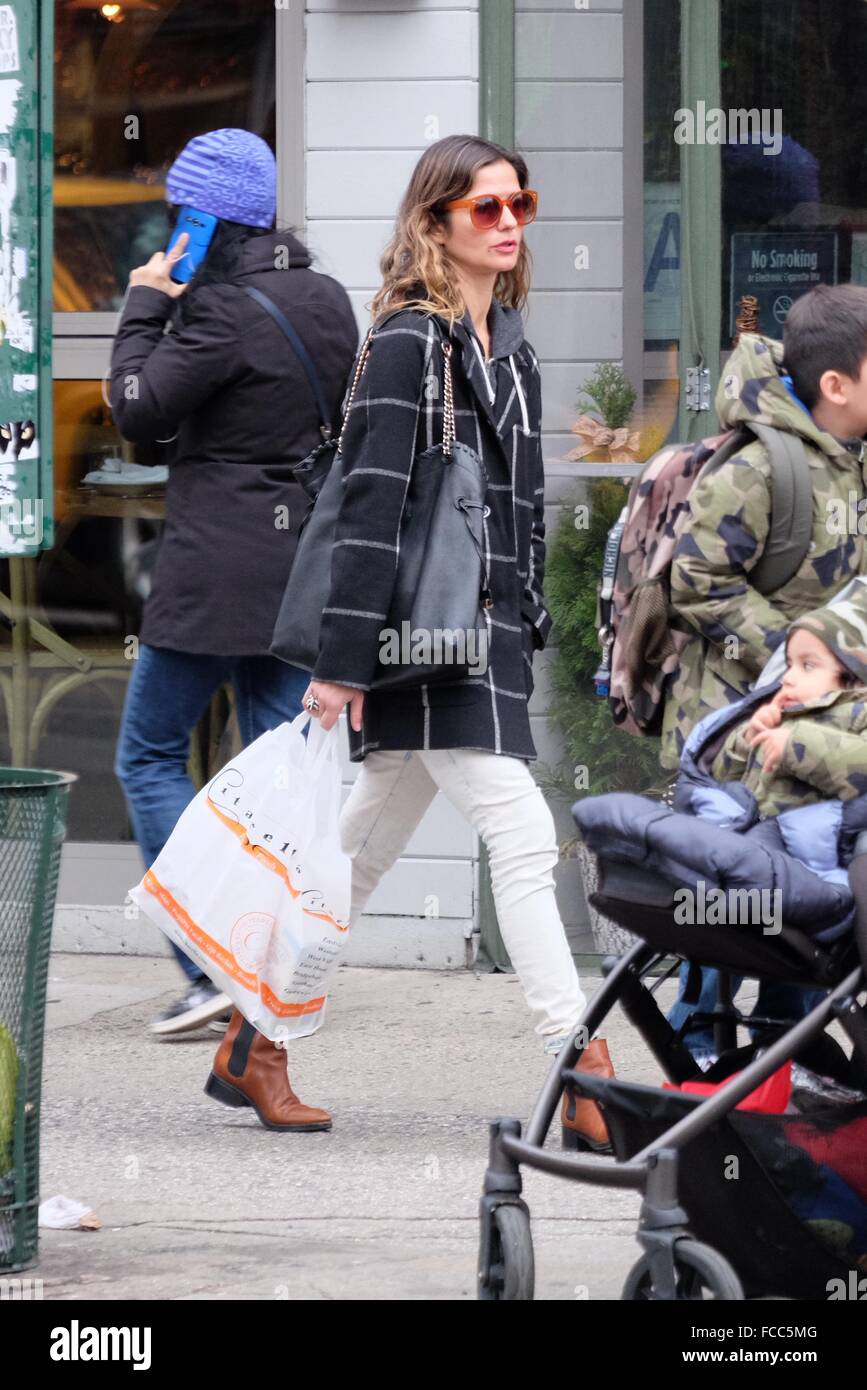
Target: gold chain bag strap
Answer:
pixel 448 393
pixel 359 368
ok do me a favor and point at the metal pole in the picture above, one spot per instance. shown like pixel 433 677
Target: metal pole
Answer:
pixel 497 123
pixel 701 232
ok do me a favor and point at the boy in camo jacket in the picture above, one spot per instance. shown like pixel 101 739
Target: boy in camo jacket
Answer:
pixel 733 628
pixel 807 743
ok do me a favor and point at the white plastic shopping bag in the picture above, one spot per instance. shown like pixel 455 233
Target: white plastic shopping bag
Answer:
pixel 253 883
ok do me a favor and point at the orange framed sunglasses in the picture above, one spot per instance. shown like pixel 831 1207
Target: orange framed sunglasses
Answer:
pixel 487 208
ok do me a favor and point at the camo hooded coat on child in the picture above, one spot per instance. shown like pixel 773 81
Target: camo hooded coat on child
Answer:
pixel 733 628
pixel 825 755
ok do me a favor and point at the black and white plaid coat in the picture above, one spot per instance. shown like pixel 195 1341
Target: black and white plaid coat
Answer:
pixel 396 416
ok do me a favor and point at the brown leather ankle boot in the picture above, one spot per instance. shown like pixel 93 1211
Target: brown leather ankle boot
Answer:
pixel 583 1125
pixel 250 1070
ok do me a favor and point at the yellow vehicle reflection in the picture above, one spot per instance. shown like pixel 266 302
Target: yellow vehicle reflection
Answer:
pixel 103 228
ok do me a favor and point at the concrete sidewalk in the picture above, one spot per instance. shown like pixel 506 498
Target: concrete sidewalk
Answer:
pixel 201 1202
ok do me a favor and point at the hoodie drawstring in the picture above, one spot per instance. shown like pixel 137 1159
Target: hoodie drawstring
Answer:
pixel 516 378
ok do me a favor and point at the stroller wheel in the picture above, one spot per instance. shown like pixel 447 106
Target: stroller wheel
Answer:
pixel 700 1273
pixel 509 1275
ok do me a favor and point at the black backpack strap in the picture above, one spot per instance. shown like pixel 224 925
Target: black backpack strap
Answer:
pixel 791 529
pixel 301 352
pixel 737 440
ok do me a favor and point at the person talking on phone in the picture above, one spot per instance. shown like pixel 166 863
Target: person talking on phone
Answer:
pixel 200 360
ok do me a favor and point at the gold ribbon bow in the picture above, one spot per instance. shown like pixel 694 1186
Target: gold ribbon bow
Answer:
pixel 623 445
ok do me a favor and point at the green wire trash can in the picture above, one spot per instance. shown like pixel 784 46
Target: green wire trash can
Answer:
pixel 32 825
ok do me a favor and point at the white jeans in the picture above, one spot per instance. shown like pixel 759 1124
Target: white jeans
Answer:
pixel 501 801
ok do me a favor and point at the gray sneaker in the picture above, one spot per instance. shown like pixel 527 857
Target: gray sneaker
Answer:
pixel 202 1002
pixel 812 1092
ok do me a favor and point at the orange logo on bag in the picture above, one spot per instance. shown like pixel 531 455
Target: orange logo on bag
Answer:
pixel 223 958
pixel 270 861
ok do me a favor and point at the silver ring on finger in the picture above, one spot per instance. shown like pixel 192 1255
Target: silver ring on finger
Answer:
pixel 313 705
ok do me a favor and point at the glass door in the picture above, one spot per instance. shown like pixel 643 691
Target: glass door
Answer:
pixel 755 169
pixel 663 222
pixel 681 216
pixel 794 164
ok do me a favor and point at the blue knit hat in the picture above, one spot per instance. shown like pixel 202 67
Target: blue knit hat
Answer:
pixel 229 173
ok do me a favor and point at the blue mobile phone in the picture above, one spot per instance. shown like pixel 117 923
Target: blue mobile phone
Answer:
pixel 200 227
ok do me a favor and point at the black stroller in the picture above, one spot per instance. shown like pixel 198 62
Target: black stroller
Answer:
pixel 702 1234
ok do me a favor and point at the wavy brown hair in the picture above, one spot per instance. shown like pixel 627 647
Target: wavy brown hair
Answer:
pixel 415 267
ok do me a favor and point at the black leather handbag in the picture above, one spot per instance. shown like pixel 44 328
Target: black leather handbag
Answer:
pixel 441 590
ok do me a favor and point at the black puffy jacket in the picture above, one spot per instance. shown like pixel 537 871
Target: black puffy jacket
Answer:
pixel 226 380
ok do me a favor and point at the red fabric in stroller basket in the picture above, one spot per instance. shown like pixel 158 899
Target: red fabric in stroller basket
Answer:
pixel 844 1150
pixel 770 1098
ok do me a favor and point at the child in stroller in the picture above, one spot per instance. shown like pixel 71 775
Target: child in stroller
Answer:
pixel 771 800
pixel 802 744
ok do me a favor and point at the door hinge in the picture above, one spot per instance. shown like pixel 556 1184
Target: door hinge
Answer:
pixel 697 390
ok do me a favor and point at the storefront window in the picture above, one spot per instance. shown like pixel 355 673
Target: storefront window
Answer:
pixel 662 218
pixel 82 600
pixel 785 141
pixel 794 174
pixel 134 81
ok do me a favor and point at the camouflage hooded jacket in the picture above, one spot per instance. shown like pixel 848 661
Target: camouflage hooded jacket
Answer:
pixel 809 812
pixel 734 628
pixel 825 755
pixel 813 830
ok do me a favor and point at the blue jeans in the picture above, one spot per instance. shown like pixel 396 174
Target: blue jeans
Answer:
pixel 776 1000
pixel 167 694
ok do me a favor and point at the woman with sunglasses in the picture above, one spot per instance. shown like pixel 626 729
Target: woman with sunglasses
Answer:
pixel 456 269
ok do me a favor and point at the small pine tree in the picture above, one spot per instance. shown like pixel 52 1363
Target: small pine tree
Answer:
pixel 610 394
pixel 614 760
